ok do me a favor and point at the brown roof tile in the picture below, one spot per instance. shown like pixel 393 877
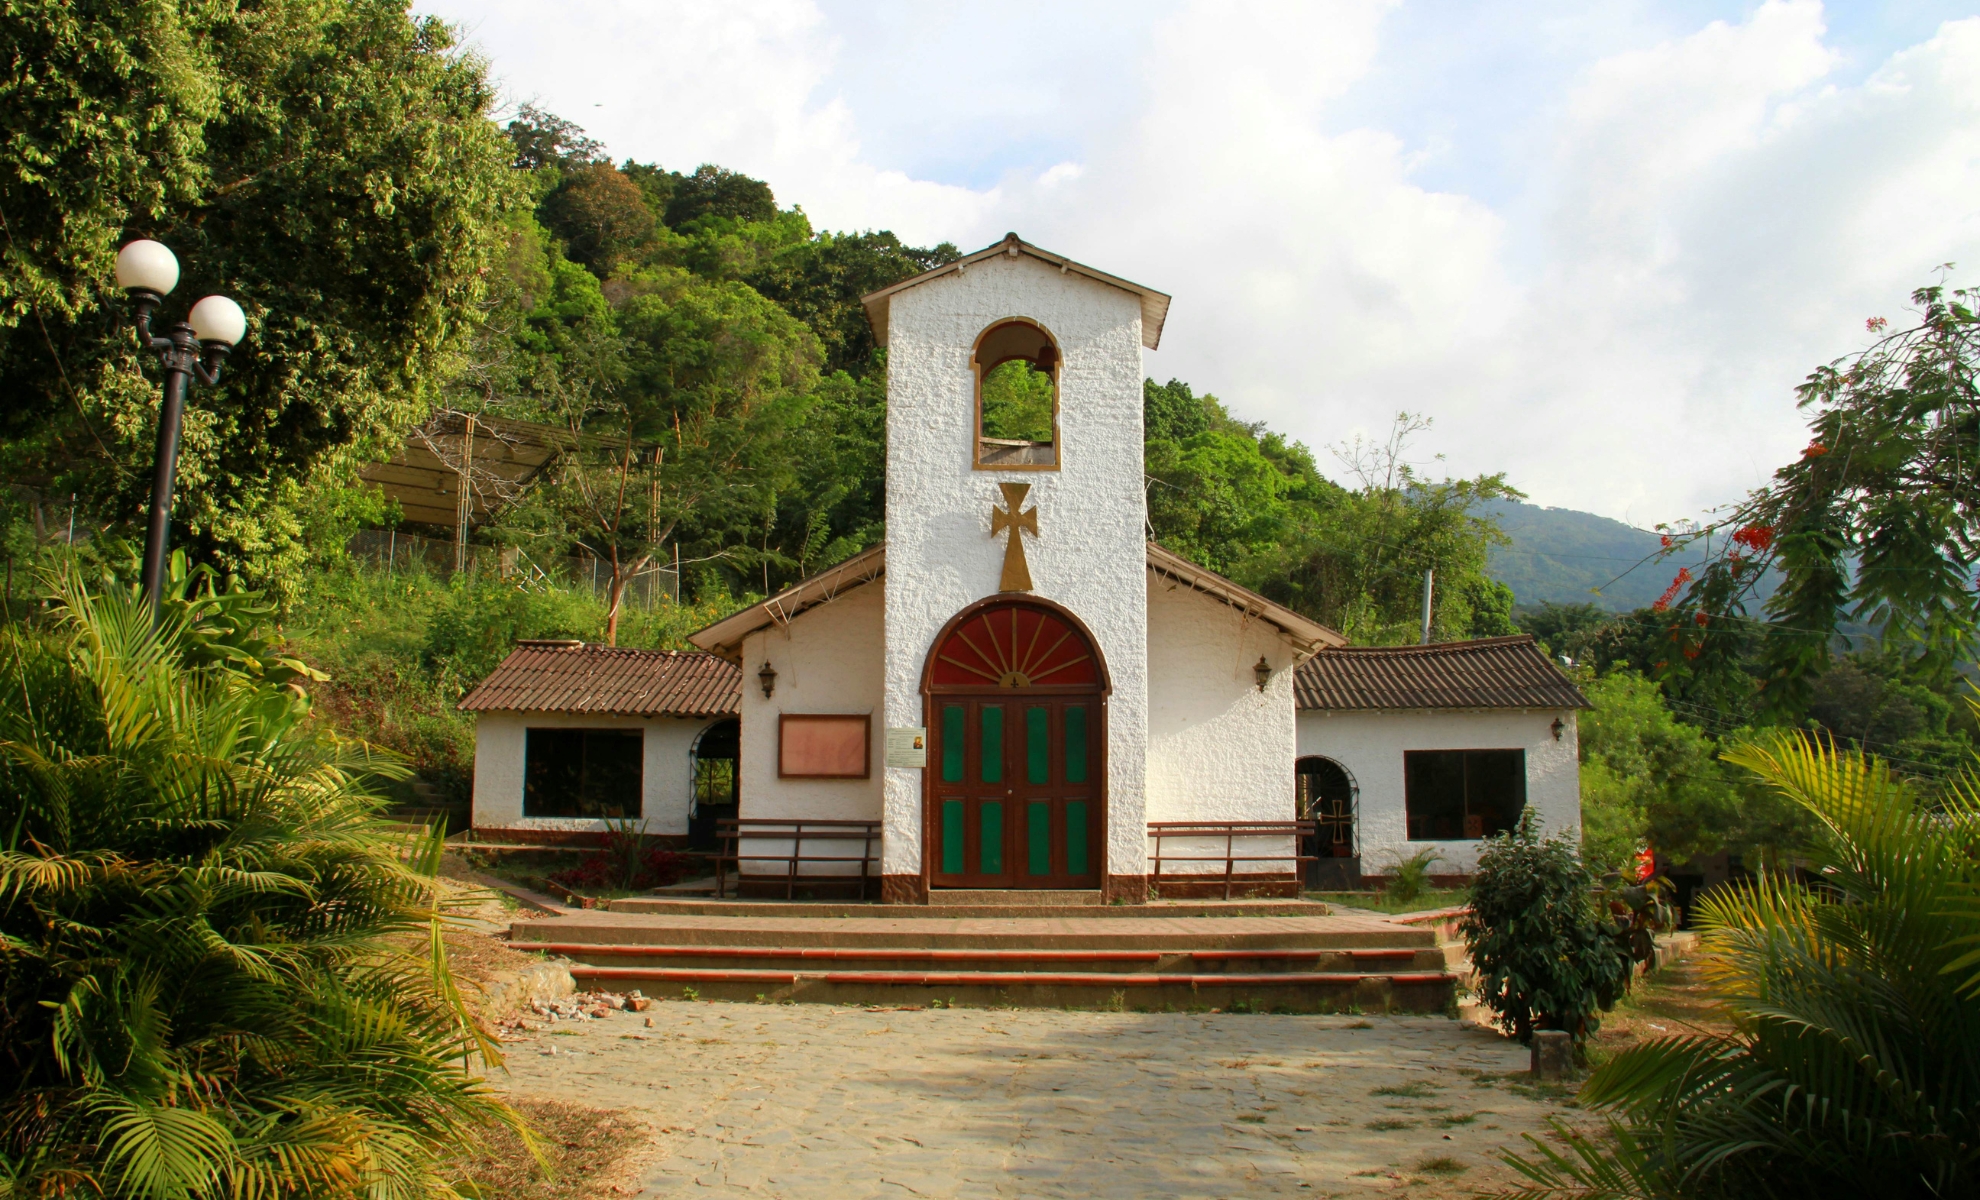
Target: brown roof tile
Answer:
pixel 1506 672
pixel 571 677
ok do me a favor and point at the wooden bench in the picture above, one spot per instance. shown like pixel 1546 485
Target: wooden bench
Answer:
pixel 734 833
pixel 1230 832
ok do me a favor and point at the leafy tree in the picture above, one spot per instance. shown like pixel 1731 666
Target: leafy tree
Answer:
pixel 1877 521
pixel 221 977
pixel 1852 1068
pixel 544 139
pixel 1358 564
pixel 820 281
pixel 1647 778
pixel 600 213
pixel 714 191
pixel 332 167
pixel 1171 412
pixel 1564 630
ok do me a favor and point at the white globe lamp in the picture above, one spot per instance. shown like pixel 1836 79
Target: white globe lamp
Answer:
pixel 218 321
pixel 147 266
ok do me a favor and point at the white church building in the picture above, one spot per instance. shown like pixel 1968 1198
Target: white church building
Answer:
pixel 1019 689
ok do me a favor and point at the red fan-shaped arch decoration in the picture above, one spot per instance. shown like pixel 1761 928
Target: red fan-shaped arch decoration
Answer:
pixel 1015 645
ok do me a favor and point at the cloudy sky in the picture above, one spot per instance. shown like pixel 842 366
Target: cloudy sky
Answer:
pixel 1597 242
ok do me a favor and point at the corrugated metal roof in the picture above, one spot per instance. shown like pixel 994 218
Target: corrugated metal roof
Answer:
pixel 571 677
pixel 1506 672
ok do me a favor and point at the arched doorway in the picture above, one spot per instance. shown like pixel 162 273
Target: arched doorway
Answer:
pixel 1017 758
pixel 716 778
pixel 1325 793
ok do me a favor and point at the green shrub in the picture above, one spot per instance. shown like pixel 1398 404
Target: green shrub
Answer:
pixel 218 974
pixel 1409 877
pixel 1546 958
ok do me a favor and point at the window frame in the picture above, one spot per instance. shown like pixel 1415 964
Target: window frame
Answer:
pixel 978 371
pixel 635 811
pixel 1466 807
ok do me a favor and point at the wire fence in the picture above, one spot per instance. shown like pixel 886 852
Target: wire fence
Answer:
pixel 394 553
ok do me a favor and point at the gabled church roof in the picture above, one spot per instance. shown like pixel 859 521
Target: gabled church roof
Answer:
pixel 1501 672
pixel 725 637
pixel 1309 635
pixel 1154 304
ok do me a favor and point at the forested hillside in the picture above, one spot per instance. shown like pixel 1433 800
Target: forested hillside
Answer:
pixel 1563 556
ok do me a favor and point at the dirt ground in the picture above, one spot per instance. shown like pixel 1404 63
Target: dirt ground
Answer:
pixel 766 1100
pixel 802 1100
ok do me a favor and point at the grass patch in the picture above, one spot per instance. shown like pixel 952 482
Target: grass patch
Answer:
pixel 1388 1124
pixel 1454 1120
pixel 1252 1118
pixel 1380 902
pixel 1407 1091
pixel 1443 1164
pixel 587 1149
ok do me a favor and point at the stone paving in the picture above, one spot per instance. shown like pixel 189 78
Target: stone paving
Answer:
pixel 805 1101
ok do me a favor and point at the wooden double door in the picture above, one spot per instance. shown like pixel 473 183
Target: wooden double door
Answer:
pixel 1017 796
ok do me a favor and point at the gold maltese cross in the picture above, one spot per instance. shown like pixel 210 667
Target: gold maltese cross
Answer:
pixel 1017 576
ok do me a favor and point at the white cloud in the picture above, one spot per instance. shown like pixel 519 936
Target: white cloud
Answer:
pixel 1704 217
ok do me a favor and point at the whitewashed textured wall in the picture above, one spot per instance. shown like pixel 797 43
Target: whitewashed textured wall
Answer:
pixel 827 661
pixel 1089 554
pixel 665 771
pixel 1371 745
pixel 1218 748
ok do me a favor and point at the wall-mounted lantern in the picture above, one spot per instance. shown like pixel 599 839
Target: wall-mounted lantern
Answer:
pixel 768 678
pixel 1262 672
pixel 1558 726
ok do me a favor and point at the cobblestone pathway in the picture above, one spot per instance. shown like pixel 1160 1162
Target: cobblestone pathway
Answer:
pixel 812 1102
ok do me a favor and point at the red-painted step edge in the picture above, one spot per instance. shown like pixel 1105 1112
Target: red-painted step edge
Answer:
pixel 855 954
pixel 990 978
pixel 1227 955
pixel 842 954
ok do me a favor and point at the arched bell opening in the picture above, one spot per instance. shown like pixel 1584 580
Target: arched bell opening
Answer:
pixel 1016 364
pixel 1325 793
pixel 1017 758
pixel 715 770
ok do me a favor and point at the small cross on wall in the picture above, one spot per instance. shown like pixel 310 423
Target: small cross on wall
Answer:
pixel 1017 575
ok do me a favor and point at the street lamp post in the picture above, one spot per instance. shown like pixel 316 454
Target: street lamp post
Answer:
pixel 196 346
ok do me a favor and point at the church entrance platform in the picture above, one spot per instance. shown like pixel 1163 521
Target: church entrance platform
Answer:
pixel 952 904
pixel 1149 959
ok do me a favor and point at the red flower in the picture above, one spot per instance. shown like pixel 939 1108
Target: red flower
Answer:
pixel 1814 450
pixel 1756 537
pixel 1876 324
pixel 1692 651
pixel 1700 618
pixel 1670 593
pixel 1665 539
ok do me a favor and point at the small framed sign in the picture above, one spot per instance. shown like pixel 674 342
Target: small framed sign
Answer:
pixel 823 746
pixel 907 745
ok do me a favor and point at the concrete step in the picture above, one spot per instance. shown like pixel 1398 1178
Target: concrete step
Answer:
pixel 968 933
pixel 993 898
pixel 1314 991
pixel 816 959
pixel 1077 958
pixel 1004 908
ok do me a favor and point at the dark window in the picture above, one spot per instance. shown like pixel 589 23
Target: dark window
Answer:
pixel 1455 795
pixel 582 772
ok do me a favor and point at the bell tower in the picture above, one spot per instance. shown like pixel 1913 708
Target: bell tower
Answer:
pixel 1014 467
